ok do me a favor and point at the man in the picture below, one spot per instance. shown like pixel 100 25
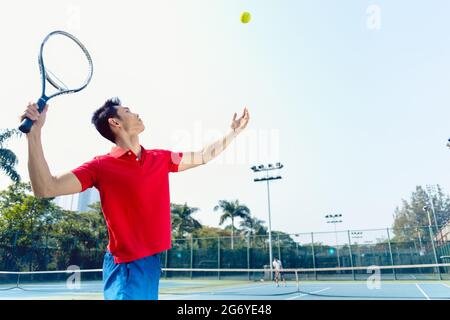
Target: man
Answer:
pixel 134 191
pixel 278 271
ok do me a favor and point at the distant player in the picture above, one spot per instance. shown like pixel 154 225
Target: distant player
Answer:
pixel 278 266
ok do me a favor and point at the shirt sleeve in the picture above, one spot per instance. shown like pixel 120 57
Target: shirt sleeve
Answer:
pixel 87 174
pixel 173 160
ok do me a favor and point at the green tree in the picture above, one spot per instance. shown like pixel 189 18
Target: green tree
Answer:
pixel 252 226
pixel 25 221
pixel 256 230
pixel 54 237
pixel 411 219
pixel 84 229
pixel 8 160
pixel 97 222
pixel 81 237
pixel 208 237
pixel 232 210
pixel 22 212
pixel 282 238
pixel 441 204
pixel 182 221
pixel 209 232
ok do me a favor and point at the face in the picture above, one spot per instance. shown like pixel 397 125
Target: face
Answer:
pixel 129 121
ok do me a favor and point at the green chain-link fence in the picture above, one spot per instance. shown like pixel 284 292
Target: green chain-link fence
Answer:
pixel 352 248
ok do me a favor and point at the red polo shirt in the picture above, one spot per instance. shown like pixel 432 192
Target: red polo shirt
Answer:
pixel 135 199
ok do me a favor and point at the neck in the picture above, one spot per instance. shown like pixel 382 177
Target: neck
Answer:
pixel 130 143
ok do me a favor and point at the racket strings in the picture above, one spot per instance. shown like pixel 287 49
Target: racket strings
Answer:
pixel 66 62
pixel 60 85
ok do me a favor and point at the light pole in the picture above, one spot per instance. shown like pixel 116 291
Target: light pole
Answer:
pixel 431 190
pixel 334 219
pixel 267 178
pixel 426 209
pixel 296 245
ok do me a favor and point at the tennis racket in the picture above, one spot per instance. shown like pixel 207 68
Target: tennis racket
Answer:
pixel 68 68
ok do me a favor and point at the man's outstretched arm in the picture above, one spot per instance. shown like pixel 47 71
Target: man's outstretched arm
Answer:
pixel 45 185
pixel 194 159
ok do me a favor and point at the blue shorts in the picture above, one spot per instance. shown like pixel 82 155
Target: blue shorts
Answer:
pixel 135 280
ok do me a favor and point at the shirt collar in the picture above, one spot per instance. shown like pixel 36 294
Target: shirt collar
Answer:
pixel 118 152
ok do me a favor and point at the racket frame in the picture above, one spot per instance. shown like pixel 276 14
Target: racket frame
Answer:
pixel 45 76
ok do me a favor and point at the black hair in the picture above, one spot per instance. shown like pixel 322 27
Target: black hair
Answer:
pixel 101 116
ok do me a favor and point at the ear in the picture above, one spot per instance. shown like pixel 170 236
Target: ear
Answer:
pixel 113 122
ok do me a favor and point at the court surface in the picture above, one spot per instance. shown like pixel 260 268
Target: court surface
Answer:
pixel 246 290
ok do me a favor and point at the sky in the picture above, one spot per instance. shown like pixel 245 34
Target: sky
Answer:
pixel 350 96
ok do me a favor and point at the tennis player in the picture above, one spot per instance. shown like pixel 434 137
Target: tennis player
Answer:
pixel 133 183
pixel 278 266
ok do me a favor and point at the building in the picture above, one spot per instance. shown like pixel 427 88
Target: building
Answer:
pixel 69 202
pixel 89 196
pixel 78 202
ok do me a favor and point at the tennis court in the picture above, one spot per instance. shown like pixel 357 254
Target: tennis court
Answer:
pixel 420 282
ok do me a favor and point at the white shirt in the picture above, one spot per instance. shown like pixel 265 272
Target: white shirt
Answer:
pixel 276 264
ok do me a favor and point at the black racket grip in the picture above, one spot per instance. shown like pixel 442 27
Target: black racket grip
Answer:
pixel 27 123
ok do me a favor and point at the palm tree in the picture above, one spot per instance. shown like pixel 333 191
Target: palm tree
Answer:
pixel 182 222
pixel 253 227
pixel 8 160
pixel 232 210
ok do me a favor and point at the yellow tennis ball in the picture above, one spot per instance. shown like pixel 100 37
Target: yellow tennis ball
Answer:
pixel 245 17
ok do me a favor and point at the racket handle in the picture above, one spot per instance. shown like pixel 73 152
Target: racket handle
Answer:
pixel 27 123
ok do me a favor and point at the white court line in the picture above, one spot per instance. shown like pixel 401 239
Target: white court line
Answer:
pixel 243 288
pixel 226 290
pixel 178 297
pixel 446 285
pixel 423 292
pixel 302 295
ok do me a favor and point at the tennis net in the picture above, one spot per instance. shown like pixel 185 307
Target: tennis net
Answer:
pixel 244 283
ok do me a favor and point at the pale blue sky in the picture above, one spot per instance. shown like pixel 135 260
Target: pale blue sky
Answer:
pixel 358 116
